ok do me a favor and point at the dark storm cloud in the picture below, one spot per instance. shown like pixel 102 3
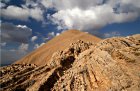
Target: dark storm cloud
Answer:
pixel 15 33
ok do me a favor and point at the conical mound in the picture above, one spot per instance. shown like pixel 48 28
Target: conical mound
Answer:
pixel 43 54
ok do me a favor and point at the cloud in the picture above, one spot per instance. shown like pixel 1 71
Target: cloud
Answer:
pixel 65 4
pixel 37 45
pixel 92 14
pixel 47 3
pixel 5 1
pixel 15 33
pixel 2 5
pixel 22 13
pixel 34 38
pixel 42 44
pixel 23 48
pixel 10 56
pixel 3 44
pixel 14 12
pixel 36 14
pixel 112 34
pixel 76 14
pixel 57 34
pixel 50 35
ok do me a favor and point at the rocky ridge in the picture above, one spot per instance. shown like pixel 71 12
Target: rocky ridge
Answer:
pixel 112 64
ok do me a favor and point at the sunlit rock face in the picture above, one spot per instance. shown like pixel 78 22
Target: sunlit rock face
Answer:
pixel 111 64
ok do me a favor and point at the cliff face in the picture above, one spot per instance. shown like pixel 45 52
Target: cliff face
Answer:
pixel 110 65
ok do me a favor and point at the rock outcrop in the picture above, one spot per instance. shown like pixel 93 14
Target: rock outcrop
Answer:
pixel 112 64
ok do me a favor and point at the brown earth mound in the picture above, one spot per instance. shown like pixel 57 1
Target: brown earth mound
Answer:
pixel 43 54
pixel 110 65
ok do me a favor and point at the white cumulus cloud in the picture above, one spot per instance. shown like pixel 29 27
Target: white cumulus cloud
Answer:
pixel 34 38
pixel 22 13
pixel 92 14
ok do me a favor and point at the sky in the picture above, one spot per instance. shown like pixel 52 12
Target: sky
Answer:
pixel 28 24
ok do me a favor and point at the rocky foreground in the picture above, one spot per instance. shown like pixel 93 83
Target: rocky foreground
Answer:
pixel 110 65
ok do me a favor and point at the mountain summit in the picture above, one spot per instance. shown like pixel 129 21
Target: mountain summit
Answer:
pixel 43 54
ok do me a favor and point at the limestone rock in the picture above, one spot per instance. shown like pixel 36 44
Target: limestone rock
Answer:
pixel 112 64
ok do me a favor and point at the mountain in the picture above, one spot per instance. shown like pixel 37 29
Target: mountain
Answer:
pixel 43 54
pixel 111 64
